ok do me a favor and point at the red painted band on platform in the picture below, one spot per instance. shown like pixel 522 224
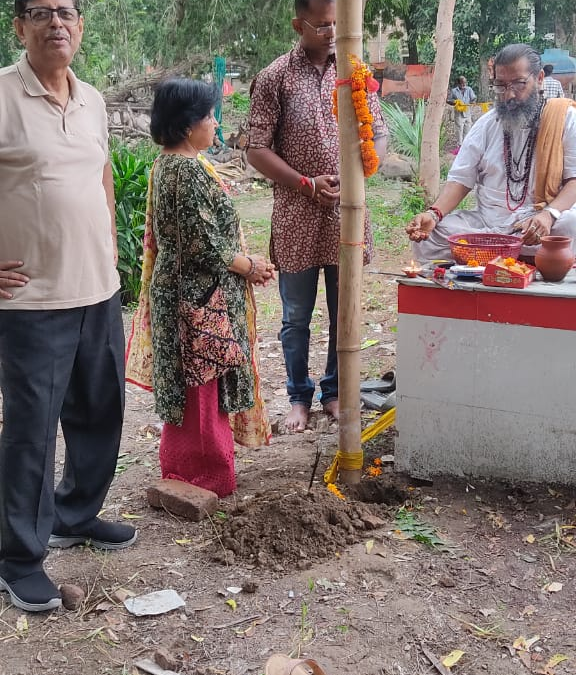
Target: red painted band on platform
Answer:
pixel 515 309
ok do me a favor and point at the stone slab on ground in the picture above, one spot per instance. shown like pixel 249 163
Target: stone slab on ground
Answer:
pixel 182 499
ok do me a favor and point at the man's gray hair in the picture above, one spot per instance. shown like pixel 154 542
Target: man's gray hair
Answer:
pixel 512 53
pixel 20 6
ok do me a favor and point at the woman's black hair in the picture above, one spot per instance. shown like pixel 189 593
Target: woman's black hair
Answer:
pixel 179 104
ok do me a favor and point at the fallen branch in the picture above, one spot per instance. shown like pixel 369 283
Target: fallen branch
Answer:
pixel 237 622
pixel 435 661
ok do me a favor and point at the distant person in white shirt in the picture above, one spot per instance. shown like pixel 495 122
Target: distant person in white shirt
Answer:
pixel 552 87
pixel 462 119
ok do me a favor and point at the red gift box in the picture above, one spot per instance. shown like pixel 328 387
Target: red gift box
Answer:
pixel 497 273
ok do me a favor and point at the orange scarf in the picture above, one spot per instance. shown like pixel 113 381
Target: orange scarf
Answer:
pixel 550 151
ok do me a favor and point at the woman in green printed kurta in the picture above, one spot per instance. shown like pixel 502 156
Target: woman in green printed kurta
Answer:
pixel 187 202
pixel 185 196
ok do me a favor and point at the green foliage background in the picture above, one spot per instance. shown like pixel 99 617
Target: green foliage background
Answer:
pixel 131 170
pixel 124 37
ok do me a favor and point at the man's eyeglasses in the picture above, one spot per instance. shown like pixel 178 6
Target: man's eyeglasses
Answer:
pixel 42 16
pixel 322 30
pixel 517 86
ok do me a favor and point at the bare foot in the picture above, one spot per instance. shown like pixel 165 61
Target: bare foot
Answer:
pixel 332 408
pixel 297 418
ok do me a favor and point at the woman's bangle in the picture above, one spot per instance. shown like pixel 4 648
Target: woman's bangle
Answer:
pixel 308 182
pixel 252 266
pixel 436 211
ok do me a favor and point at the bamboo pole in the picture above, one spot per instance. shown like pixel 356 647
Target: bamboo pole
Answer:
pixel 352 204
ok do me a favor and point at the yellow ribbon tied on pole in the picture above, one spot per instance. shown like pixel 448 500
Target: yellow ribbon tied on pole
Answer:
pixel 352 461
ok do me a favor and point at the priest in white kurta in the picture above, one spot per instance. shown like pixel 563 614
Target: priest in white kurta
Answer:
pixel 497 160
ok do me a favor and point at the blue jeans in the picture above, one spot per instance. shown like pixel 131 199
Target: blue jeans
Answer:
pixel 298 292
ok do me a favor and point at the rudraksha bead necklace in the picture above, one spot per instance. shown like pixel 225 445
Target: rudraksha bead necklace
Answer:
pixel 517 179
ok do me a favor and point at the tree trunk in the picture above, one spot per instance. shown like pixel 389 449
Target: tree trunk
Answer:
pixel 430 152
pixel 179 11
pixel 565 34
pixel 412 41
pixel 349 42
pixel 485 75
pixel 540 18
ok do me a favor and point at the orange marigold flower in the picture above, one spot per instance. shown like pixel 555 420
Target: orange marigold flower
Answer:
pixel 473 263
pixel 377 461
pixel 374 471
pixel 370 169
pixel 462 241
pixel 366 133
pixel 509 262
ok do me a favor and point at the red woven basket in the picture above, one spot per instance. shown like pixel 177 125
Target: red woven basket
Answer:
pixel 483 247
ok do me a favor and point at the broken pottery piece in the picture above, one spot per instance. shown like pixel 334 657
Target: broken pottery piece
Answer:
pixel 158 602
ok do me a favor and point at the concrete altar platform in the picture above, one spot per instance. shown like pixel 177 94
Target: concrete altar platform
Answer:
pixel 486 381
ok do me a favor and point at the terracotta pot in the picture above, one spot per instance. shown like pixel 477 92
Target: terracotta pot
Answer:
pixel 554 258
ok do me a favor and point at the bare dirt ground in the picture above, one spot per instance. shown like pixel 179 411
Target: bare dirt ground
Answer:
pixel 482 567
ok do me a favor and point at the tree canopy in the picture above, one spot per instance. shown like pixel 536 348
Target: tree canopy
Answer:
pixel 125 37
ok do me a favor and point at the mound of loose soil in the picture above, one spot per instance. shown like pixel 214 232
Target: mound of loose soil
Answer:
pixel 294 527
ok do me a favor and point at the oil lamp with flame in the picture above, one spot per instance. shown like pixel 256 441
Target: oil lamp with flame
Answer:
pixel 412 270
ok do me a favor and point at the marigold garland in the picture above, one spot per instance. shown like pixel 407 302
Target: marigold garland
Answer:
pixel 460 106
pixel 362 82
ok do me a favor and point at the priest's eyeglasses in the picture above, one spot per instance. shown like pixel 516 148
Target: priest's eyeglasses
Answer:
pixel 517 86
pixel 42 16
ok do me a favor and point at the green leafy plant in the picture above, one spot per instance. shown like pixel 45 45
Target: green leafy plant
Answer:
pixel 389 217
pixel 406 131
pixel 240 102
pixel 306 626
pixel 411 527
pixel 130 170
pixel 412 201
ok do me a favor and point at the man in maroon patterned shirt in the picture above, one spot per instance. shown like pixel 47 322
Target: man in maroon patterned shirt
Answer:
pixel 293 140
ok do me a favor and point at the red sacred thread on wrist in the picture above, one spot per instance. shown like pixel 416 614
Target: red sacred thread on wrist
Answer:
pixel 305 181
pixel 437 211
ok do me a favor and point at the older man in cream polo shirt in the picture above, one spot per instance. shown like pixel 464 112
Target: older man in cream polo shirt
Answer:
pixel 61 334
